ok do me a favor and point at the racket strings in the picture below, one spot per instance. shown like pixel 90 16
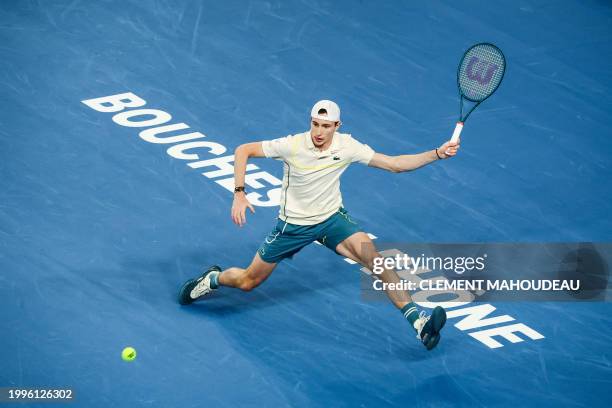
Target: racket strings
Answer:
pixel 481 72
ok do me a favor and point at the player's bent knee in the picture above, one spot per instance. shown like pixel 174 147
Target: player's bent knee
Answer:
pixel 252 279
pixel 247 286
pixel 371 257
pixel 254 275
pixel 359 245
pixel 367 260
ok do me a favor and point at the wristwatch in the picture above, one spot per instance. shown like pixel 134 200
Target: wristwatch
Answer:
pixel 239 189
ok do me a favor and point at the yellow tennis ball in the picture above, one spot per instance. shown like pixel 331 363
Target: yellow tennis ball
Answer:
pixel 128 354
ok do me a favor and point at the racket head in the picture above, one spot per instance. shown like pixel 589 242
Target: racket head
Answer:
pixel 480 71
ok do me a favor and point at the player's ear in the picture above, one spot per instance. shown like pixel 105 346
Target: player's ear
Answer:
pixel 338 125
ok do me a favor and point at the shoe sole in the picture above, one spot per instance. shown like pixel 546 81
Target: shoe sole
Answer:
pixel 184 297
pixel 431 344
pixel 438 320
pixel 438 317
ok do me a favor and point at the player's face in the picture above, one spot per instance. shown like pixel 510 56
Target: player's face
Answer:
pixel 322 132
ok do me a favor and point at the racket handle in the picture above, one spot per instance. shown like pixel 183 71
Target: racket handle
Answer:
pixel 457 132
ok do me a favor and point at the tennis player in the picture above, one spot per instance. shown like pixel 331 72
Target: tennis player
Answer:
pixel 311 209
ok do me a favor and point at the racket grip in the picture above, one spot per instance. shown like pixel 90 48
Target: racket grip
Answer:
pixel 457 132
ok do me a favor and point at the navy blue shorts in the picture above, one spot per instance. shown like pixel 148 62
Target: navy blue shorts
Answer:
pixel 285 240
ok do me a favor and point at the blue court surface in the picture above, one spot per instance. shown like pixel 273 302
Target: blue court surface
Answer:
pixel 99 226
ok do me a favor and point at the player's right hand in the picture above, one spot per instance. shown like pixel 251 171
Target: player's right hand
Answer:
pixel 239 208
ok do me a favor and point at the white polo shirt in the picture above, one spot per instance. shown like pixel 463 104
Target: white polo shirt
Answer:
pixel 311 178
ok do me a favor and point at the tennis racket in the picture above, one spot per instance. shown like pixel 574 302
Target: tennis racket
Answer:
pixel 480 72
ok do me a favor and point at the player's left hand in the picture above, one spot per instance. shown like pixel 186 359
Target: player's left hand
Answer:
pixel 449 149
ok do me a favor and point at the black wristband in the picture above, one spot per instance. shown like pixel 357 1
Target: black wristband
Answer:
pixel 438 154
pixel 239 189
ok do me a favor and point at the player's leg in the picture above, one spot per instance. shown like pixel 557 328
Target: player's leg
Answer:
pixel 235 277
pixel 360 248
pixel 249 278
pixel 282 242
pixel 343 235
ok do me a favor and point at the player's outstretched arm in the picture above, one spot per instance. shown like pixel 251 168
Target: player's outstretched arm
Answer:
pixel 408 162
pixel 241 156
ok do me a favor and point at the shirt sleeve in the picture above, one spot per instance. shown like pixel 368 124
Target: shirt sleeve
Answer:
pixel 277 148
pixel 361 153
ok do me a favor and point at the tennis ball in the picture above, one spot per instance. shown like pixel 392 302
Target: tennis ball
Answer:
pixel 128 354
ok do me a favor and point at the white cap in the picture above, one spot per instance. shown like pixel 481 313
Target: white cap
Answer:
pixel 333 111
